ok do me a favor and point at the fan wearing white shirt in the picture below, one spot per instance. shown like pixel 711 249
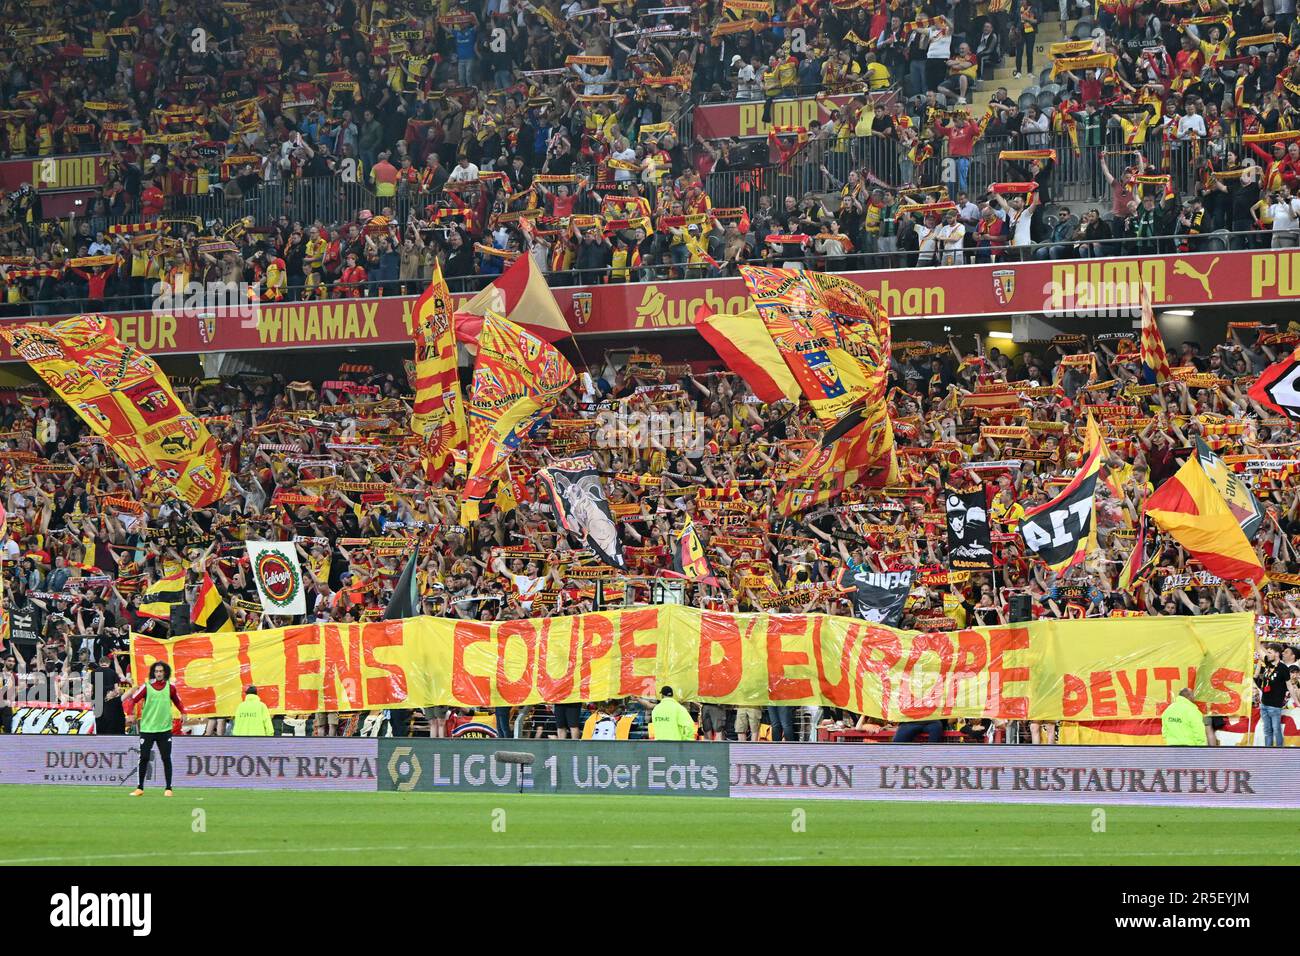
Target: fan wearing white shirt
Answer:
pixel 949 234
pixel 1192 124
pixel 1285 212
pixel 464 172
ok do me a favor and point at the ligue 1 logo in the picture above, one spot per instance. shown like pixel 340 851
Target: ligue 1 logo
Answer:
pixel 278 577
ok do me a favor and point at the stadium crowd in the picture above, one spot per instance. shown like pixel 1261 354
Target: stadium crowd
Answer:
pixel 337 149
pixel 329 466
pixel 341 149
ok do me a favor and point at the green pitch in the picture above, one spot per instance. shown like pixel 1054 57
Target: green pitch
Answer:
pixel 278 827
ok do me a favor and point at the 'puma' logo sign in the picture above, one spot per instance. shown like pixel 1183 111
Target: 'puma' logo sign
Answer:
pixel 1184 268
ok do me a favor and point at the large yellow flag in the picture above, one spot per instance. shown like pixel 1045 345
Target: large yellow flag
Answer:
pixel 805 332
pixel 1189 507
pixel 835 340
pixel 517 379
pixel 438 417
pixel 126 399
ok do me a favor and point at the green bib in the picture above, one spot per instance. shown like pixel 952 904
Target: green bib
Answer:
pixel 156 714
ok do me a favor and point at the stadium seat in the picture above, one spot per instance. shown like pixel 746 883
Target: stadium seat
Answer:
pixel 1217 241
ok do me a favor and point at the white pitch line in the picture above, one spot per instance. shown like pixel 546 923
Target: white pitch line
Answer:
pixel 867 852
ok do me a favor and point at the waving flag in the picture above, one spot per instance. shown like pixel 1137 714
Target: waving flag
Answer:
pixel 1249 512
pixel 689 560
pixel 1188 507
pixel 1278 387
pixel 158 598
pixel 862 457
pixel 522 296
pixel 405 601
pixel 1155 361
pixel 208 612
pixel 742 342
pixel 1142 561
pixel 126 399
pixel 517 379
pixel 581 507
pixel 804 331
pixel 835 341
pixel 1063 531
pixel 438 417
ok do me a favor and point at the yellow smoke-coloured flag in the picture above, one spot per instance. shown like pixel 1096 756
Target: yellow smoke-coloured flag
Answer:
pixel 126 399
pixel 1189 508
pixel 518 378
pixel 438 416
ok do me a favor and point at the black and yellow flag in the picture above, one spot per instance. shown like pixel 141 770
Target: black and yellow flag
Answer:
pixel 159 597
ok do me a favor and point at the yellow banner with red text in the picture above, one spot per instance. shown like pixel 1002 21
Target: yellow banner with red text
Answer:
pixel 1048 670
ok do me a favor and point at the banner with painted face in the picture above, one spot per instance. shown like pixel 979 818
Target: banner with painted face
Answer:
pixel 581 507
pixel 877 595
pixel 970 544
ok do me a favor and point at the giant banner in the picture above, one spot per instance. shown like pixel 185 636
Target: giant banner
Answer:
pixel 1077 287
pixel 1047 670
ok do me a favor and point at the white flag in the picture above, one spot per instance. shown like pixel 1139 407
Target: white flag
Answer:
pixel 278 576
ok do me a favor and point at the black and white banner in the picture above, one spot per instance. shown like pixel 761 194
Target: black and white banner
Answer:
pixel 969 544
pixel 581 507
pixel 878 596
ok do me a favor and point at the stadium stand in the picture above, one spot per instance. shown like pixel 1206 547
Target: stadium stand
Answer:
pixel 343 149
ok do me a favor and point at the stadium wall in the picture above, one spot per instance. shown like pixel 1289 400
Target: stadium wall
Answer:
pixel 1261 778
pixel 1075 287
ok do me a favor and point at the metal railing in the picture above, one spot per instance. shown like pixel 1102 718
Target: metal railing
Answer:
pixel 1077 176
pixel 865 259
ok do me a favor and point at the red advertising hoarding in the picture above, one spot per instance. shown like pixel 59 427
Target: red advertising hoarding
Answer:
pixel 55 172
pixel 1083 287
pixel 716 120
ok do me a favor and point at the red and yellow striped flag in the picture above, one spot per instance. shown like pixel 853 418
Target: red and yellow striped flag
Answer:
pixel 438 418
